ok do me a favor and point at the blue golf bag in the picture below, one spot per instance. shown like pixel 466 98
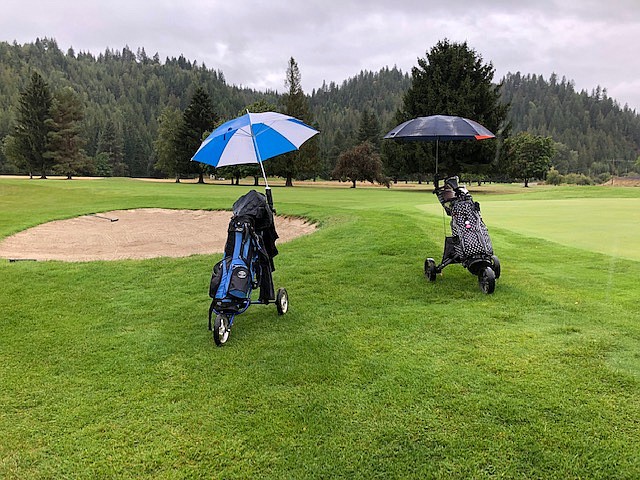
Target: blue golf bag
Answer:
pixel 247 264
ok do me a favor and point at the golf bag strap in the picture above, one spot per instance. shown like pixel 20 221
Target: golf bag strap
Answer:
pixel 237 247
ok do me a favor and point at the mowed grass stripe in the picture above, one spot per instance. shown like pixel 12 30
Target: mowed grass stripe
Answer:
pixel 605 225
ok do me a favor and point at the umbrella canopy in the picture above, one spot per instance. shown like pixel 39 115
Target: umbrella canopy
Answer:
pixel 439 127
pixel 253 138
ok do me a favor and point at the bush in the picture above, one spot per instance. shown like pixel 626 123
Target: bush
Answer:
pixel 554 177
pixel 578 179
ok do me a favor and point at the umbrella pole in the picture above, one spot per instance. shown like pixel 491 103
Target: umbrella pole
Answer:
pixel 267 188
pixel 437 156
pixel 264 175
pixel 436 177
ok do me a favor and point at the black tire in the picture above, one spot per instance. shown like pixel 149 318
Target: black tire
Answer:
pixel 282 301
pixel 221 330
pixel 430 270
pixel 496 266
pixel 487 280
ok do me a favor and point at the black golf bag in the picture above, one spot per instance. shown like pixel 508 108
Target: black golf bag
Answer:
pixel 247 264
pixel 469 243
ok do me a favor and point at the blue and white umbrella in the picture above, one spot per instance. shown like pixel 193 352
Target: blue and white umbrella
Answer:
pixel 253 138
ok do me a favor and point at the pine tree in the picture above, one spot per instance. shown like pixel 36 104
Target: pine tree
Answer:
pixel 588 128
pixel 369 130
pixel 65 140
pixel 15 150
pixel 592 126
pixel 32 128
pixel 167 144
pixel 296 105
pixel 110 143
pixel 453 80
pixel 198 118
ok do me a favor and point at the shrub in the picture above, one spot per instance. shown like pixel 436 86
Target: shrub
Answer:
pixel 578 179
pixel 554 177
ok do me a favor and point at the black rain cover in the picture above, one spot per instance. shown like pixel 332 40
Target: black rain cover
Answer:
pixel 254 205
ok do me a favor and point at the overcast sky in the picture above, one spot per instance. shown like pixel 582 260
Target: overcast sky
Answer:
pixel 592 42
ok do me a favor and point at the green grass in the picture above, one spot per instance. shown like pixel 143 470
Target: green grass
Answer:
pixel 107 368
pixel 609 225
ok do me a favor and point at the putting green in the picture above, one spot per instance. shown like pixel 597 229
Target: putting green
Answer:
pixel 605 225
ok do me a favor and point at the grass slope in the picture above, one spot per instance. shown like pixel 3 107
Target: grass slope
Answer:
pixel 107 369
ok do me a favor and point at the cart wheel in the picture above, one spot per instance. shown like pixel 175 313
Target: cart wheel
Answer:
pixel 430 270
pixel 487 280
pixel 282 301
pixel 496 266
pixel 221 330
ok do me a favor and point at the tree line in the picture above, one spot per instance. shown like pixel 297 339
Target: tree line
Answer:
pixel 127 114
pixel 122 95
pixel 593 134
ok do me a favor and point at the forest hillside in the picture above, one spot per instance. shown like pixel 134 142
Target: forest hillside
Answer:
pixel 123 94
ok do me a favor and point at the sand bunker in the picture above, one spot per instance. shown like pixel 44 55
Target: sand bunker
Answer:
pixel 137 234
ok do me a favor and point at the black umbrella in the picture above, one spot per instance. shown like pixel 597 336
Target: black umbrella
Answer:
pixel 439 127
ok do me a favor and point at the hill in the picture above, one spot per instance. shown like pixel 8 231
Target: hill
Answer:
pixel 597 135
pixel 122 88
pixel 128 90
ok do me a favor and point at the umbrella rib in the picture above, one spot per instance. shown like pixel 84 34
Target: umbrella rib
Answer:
pixel 269 125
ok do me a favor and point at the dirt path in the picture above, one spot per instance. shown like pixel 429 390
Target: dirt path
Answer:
pixel 136 234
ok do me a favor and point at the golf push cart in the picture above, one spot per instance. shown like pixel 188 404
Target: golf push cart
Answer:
pixel 247 264
pixel 469 243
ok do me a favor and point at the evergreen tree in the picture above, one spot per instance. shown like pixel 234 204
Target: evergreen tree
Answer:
pixel 32 127
pixel 587 127
pixel 167 144
pixel 453 80
pixel 132 89
pixel 396 160
pixel 103 165
pixel 340 144
pixel 136 154
pixel 65 140
pixel 296 105
pixel 338 109
pixel 369 130
pixel 15 154
pixel 198 118
pixel 110 143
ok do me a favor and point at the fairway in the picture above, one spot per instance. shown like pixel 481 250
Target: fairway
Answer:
pixel 604 225
pixel 107 369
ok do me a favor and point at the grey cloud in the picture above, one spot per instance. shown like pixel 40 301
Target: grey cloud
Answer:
pixel 589 42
